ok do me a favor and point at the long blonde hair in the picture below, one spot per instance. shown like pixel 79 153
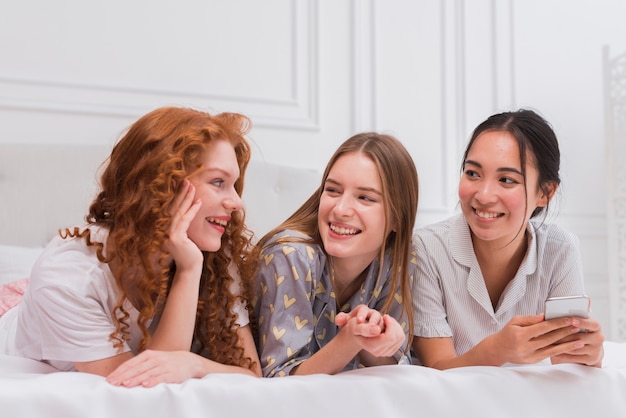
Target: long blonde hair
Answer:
pixel 400 188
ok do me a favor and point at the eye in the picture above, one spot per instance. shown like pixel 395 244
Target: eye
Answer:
pixel 367 198
pixel 217 182
pixel 508 180
pixel 471 173
pixel 331 190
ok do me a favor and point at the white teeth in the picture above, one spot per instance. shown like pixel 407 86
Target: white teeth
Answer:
pixel 343 231
pixel 221 222
pixel 487 215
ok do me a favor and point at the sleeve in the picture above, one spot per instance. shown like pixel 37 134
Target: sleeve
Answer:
pixel 564 256
pixel 286 283
pixel 73 325
pixel 428 302
pixel 66 314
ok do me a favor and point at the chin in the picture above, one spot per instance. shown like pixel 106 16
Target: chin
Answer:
pixel 213 248
pixel 209 246
pixel 338 251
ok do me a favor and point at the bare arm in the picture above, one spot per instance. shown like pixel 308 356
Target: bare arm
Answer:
pixel 339 351
pixel 176 325
pixel 174 333
pixel 154 367
pixel 175 329
pixel 524 340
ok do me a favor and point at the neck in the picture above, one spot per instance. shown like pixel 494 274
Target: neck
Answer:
pixel 498 251
pixel 499 264
pixel 347 277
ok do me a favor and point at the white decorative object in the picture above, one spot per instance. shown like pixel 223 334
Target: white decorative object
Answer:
pixel 615 108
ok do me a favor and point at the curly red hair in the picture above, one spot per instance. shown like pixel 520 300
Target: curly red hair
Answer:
pixel 138 186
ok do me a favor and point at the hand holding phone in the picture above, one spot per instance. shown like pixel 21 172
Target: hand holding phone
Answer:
pixel 557 307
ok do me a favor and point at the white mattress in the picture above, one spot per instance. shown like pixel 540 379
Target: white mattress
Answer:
pixel 29 389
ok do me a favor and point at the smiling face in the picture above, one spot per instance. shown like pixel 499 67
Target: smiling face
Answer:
pixel 351 216
pixel 215 187
pixel 493 198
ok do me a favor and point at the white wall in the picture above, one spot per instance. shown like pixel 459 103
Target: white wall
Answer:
pixel 312 73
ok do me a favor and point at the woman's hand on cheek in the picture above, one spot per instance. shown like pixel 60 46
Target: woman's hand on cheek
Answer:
pixel 185 252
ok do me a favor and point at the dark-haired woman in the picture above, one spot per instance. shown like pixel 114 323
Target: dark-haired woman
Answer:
pixel 484 275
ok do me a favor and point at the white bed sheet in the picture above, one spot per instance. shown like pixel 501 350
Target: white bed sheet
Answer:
pixel 31 389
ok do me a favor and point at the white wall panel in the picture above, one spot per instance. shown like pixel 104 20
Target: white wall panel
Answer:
pixel 126 58
pixel 412 78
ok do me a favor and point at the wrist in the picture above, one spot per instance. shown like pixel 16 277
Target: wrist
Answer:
pixel 487 353
pixel 349 342
pixel 202 367
pixel 191 274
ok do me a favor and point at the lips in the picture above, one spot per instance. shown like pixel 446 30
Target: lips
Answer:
pixel 340 230
pixel 217 221
pixel 488 215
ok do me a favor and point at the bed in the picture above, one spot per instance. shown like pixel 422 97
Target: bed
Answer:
pixel 35 202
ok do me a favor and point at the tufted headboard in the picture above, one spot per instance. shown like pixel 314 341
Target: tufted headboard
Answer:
pixel 45 187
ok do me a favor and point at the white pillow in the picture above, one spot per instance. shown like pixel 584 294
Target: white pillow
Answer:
pixel 16 262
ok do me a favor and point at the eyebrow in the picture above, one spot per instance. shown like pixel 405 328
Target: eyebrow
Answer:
pixel 223 172
pixel 364 189
pixel 500 169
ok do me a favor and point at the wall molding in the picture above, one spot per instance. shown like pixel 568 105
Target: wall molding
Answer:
pixel 363 66
pixel 503 50
pixel 453 93
pixel 298 112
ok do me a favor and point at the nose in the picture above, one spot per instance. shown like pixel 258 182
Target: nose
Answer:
pixel 233 201
pixel 344 205
pixel 486 192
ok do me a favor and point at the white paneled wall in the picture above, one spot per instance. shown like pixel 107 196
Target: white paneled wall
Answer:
pixel 312 73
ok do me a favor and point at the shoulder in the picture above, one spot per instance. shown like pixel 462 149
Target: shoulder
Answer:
pixel 550 235
pixel 437 233
pixel 293 244
pixel 553 245
pixel 69 262
pixel 287 235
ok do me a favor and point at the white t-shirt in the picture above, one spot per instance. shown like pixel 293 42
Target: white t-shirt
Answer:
pixel 450 298
pixel 66 314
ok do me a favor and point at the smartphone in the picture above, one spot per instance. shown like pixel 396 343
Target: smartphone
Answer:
pixel 557 307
